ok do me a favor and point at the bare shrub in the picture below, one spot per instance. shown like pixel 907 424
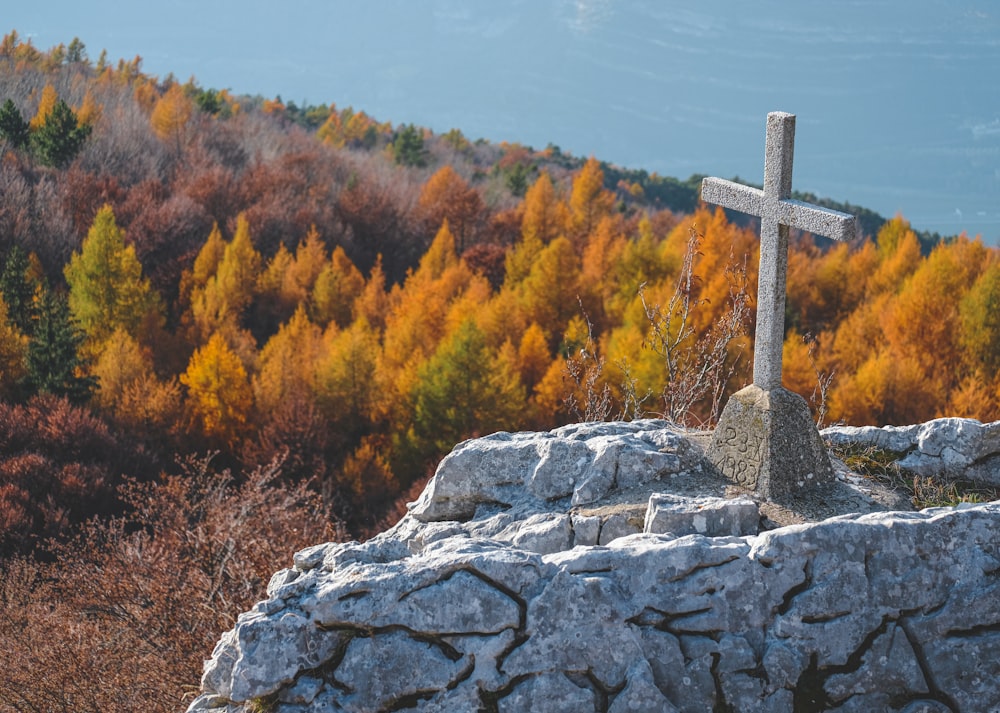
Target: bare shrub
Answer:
pixel 123 616
pixel 699 366
pixel 589 397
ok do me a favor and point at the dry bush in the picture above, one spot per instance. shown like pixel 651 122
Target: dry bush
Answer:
pixel 699 366
pixel 59 465
pixel 122 617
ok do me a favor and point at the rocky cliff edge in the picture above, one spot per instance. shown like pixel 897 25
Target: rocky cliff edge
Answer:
pixel 604 567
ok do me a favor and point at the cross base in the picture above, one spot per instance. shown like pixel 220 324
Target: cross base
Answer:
pixel 766 441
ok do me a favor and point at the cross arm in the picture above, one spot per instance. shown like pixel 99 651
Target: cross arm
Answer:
pixel 732 195
pixel 818 221
pixel 795 214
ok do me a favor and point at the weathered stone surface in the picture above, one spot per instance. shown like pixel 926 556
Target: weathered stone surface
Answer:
pixel 714 517
pixel 583 462
pixel 766 441
pixel 586 529
pixel 617 526
pixel 549 692
pixel 543 533
pixel 641 694
pixel 378 671
pixel 266 652
pixel 518 608
pixel 959 448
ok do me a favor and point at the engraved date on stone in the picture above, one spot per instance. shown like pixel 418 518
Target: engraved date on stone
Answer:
pixel 742 457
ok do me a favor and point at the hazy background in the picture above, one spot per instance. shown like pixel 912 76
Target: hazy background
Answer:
pixel 898 101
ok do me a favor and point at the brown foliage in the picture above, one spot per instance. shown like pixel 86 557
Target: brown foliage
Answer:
pixel 447 196
pixel 59 465
pixel 84 193
pixel 123 616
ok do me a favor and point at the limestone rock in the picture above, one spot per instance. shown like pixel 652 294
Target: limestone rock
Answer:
pixel 714 517
pixel 959 448
pixel 549 692
pixel 523 600
pixel 582 462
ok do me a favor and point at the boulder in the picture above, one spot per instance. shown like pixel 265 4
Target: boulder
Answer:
pixel 507 588
pixel 714 517
pixel 953 448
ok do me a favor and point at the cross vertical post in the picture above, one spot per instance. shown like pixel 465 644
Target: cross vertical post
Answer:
pixel 777 212
pixel 765 439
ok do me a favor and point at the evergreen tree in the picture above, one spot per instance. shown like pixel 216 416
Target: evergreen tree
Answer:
pixel 17 289
pixel 54 364
pixel 13 127
pixel 408 147
pixel 59 137
pixel 462 391
pixel 76 52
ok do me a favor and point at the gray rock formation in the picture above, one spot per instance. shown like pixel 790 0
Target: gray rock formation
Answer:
pixel 956 448
pixel 605 567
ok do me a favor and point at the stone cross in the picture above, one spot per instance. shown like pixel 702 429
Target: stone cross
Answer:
pixel 777 212
pixel 766 440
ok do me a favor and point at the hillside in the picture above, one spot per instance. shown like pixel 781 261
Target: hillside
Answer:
pixel 233 305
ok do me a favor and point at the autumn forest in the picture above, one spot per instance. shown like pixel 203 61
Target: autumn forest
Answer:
pixel 231 327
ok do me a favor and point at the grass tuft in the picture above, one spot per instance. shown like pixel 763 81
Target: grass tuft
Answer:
pixel 882 466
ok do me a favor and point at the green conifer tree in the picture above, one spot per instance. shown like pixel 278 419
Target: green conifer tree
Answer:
pixel 13 127
pixel 54 364
pixel 408 147
pixel 18 289
pixel 462 391
pixel 60 137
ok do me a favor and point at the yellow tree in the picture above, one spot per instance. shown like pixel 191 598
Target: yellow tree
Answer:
pixel 374 302
pixel 13 353
pixel 171 115
pixel 520 259
pixel 287 363
pixel 206 264
pixel 270 282
pixel 289 279
pixel 533 356
pixel 46 104
pixel 310 260
pixel 979 313
pixel 898 256
pixel 90 110
pixel 223 302
pixel 331 132
pixel 601 260
pixel 549 294
pixel 336 288
pixel 924 321
pixel 544 214
pixel 440 256
pixel 219 396
pixel 345 378
pixel 447 196
pixel 120 363
pixel 589 201
pixel 106 287
pixel 130 392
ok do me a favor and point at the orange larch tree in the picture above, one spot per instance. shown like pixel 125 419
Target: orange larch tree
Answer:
pixel 447 196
